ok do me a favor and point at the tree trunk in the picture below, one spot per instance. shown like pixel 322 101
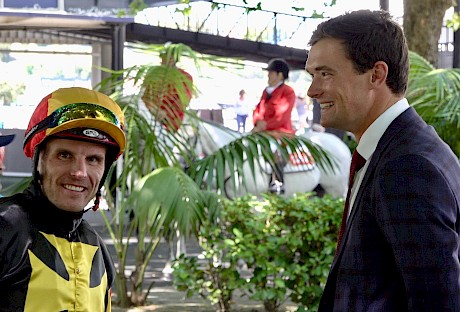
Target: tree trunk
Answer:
pixel 123 299
pixel 423 20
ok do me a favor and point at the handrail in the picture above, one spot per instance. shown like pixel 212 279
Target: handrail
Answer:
pixel 207 17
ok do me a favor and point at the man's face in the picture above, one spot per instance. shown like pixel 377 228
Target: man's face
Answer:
pixel 70 172
pixel 345 95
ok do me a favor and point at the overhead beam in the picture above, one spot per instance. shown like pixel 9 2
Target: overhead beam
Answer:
pixel 215 45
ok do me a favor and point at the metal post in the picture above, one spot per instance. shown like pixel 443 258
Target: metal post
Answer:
pixel 96 73
pixel 456 60
pixel 115 51
pixel 60 5
pixel 118 44
pixel 384 5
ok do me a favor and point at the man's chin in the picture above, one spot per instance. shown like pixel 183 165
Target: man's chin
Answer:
pixel 73 206
pixel 324 123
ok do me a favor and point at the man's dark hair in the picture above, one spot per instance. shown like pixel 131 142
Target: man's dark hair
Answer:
pixel 369 37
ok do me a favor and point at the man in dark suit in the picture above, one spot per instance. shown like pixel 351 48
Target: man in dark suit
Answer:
pixel 400 245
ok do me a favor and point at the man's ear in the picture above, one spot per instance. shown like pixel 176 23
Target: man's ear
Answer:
pixel 38 159
pixel 379 73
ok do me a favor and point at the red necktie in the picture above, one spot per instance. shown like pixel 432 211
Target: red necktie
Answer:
pixel 357 162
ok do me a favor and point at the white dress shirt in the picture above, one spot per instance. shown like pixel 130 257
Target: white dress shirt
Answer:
pixel 369 140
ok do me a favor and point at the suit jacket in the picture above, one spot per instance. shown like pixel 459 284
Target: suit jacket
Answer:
pixel 400 250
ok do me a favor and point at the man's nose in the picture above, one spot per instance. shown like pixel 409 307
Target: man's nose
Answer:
pixel 79 169
pixel 314 91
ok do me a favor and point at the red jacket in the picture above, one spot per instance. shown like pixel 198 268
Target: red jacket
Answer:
pixel 276 109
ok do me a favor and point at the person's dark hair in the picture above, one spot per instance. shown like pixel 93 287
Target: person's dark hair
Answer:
pixel 369 37
pixel 279 65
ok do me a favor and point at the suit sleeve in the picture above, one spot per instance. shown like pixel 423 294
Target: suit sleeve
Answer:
pixel 417 212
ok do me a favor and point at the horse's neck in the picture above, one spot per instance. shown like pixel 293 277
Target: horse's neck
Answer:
pixel 214 138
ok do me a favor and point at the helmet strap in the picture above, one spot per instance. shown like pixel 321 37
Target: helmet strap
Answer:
pixel 110 159
pixel 36 176
pixel 97 200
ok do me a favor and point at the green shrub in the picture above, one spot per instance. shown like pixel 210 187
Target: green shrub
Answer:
pixel 287 244
pixel 216 277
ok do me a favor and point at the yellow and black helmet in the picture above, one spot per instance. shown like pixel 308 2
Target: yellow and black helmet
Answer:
pixel 76 113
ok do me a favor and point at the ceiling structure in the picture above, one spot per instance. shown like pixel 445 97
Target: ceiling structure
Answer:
pixel 79 24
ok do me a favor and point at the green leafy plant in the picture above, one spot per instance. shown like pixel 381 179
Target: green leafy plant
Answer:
pixel 287 245
pixel 9 93
pixel 435 94
pixel 215 278
pixel 154 195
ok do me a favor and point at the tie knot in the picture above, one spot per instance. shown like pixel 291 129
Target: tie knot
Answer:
pixel 357 161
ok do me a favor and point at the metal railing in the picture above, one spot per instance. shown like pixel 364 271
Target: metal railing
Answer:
pixel 239 22
pixel 233 21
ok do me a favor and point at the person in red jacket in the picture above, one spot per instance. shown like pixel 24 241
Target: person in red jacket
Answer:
pixel 273 113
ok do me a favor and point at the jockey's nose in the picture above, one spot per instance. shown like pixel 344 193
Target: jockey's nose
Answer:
pixel 78 168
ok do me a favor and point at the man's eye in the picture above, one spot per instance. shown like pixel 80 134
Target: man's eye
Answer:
pixel 95 160
pixel 63 155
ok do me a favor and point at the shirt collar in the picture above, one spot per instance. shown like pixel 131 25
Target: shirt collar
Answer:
pixel 371 137
pixel 272 88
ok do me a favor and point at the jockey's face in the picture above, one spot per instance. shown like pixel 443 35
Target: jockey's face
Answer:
pixel 71 172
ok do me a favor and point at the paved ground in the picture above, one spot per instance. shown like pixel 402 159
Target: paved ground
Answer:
pixel 164 297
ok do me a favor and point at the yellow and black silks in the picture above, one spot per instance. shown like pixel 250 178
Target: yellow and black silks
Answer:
pixel 50 260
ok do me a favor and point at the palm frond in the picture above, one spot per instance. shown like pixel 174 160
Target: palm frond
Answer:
pixel 17 187
pixel 435 94
pixel 255 150
pixel 168 196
